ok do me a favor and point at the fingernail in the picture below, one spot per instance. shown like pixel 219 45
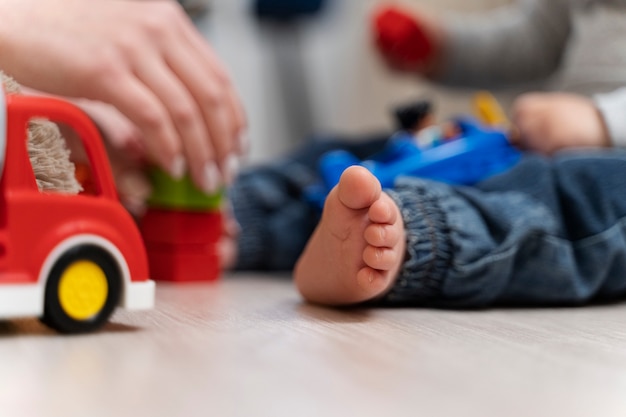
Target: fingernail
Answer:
pixel 212 180
pixel 178 167
pixel 230 169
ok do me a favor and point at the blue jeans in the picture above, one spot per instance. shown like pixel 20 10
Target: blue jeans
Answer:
pixel 547 232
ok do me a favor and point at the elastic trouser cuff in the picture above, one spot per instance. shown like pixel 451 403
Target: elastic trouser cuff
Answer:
pixel 428 246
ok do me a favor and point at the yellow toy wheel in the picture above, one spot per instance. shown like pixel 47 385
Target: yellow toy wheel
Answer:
pixel 82 290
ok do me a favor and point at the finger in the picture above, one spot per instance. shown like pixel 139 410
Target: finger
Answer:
pixel 211 101
pixel 134 99
pixel 119 131
pixel 209 59
pixel 241 123
pixel 187 117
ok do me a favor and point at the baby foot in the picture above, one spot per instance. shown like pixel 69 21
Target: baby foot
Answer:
pixel 358 247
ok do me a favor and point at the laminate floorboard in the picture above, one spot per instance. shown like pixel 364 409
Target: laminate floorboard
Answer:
pixel 248 346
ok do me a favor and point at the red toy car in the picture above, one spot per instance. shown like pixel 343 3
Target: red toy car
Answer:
pixel 68 259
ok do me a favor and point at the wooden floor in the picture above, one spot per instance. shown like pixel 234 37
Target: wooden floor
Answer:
pixel 247 346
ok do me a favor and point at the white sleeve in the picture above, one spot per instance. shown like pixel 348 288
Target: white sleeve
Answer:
pixel 612 107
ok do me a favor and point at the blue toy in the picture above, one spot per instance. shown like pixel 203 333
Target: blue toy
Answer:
pixel 478 153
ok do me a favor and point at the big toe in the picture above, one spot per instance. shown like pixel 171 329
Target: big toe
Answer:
pixel 358 188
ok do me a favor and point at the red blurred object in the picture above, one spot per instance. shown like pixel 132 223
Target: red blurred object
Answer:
pixel 184 263
pixel 183 245
pixel 400 37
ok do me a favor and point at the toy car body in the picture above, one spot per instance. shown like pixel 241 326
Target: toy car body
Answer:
pixel 67 259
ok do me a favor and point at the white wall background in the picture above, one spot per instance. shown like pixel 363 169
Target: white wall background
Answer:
pixel 338 82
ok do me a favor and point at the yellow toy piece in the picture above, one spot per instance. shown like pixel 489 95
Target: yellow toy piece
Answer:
pixel 489 111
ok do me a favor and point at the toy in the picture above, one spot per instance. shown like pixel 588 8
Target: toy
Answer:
pixel 417 119
pixel 182 228
pixel 399 37
pixel 465 155
pixel 415 116
pixel 69 259
pixel 489 111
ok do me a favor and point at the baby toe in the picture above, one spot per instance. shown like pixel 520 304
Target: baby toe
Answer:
pixel 381 235
pixel 380 258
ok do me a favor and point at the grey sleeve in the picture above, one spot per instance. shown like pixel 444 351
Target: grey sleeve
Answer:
pixel 612 107
pixel 519 43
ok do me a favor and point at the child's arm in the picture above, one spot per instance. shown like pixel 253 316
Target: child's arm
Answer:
pixel 518 43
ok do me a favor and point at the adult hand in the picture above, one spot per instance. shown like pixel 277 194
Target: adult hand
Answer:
pixel 547 122
pixel 143 57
